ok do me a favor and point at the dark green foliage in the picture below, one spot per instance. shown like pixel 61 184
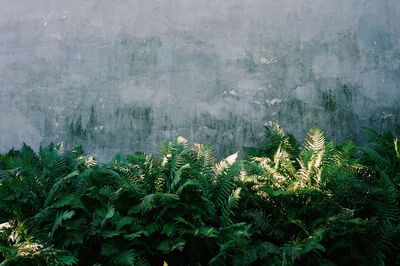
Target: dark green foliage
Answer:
pixel 319 204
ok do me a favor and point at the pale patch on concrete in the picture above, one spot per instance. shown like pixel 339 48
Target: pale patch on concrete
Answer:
pixel 266 61
pixel 326 65
pixel 273 101
pixel 16 129
pixel 305 93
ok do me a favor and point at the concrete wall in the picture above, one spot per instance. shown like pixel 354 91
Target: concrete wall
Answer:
pixel 125 75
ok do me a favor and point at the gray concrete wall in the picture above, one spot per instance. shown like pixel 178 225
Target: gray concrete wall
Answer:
pixel 123 76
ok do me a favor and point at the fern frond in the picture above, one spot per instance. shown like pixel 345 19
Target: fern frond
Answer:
pixel 396 148
pixel 57 185
pixel 225 184
pixel 155 200
pixel 315 140
pixel 125 257
pixel 232 203
pixel 376 158
pixel 61 216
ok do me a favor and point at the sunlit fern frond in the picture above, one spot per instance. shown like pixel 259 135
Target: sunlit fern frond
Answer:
pixel 315 140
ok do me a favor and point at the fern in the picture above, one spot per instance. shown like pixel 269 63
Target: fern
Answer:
pixel 323 204
pixel 61 216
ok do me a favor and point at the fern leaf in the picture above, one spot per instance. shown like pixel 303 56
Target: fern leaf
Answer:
pixel 67 260
pixel 125 257
pixel 376 158
pixel 61 216
pixel 315 140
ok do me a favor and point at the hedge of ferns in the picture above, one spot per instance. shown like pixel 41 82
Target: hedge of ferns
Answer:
pixel 287 204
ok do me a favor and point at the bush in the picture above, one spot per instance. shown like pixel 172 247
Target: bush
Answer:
pixel 319 204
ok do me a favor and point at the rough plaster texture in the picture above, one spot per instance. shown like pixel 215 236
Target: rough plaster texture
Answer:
pixel 123 76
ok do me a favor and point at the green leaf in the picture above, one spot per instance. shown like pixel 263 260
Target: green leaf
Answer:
pixel 134 235
pixel 67 260
pixel 61 216
pixel 125 257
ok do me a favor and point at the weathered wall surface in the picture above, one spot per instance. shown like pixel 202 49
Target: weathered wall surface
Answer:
pixel 125 75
